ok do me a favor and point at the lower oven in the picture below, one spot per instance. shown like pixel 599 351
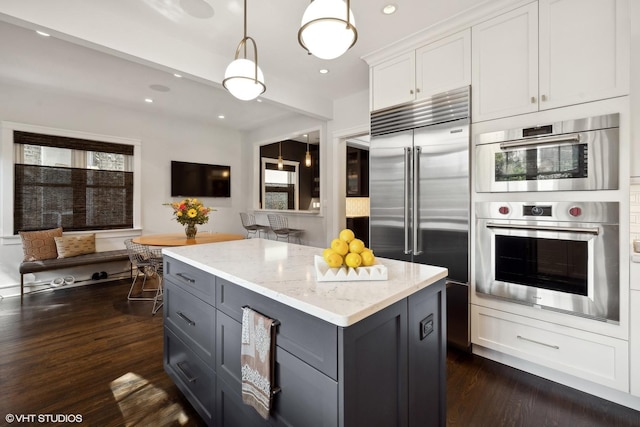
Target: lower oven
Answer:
pixel 561 256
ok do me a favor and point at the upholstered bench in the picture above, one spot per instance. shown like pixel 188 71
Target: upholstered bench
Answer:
pixel 74 261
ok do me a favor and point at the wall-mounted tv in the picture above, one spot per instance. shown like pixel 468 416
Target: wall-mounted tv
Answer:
pixel 200 180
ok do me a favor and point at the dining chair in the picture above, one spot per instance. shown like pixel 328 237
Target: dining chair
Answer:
pixel 253 228
pixel 280 227
pixel 146 264
pixel 158 301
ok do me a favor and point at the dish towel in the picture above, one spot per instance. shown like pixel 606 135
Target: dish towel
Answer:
pixel 257 359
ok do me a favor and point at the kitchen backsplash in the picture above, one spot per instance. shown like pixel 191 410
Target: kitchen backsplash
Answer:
pixel 634 228
pixel 359 206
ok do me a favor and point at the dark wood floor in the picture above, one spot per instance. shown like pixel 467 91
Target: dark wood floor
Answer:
pixel 88 351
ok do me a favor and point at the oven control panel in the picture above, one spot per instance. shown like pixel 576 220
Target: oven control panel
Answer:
pixel 584 212
pixel 537 210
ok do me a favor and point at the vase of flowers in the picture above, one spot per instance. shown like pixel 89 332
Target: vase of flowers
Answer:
pixel 190 212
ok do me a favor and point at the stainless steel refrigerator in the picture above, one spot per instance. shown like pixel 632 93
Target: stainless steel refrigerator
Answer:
pixel 419 193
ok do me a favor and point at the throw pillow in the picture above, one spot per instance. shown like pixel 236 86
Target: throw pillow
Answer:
pixel 69 246
pixel 39 245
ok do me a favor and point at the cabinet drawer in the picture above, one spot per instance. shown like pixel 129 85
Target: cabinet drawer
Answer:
pixel 192 376
pixel 307 397
pixel 231 411
pixel 193 320
pixel 554 346
pixel 308 338
pixel 194 280
pixel 228 334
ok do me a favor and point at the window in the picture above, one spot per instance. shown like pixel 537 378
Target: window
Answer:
pixel 71 183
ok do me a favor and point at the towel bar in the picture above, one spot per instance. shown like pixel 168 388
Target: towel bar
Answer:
pixel 275 322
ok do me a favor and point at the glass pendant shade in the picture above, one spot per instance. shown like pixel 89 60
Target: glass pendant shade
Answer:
pixel 328 28
pixel 307 159
pixel 243 78
pixel 280 163
pixel 239 79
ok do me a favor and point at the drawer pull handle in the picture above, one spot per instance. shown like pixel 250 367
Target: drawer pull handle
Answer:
pixel 555 347
pixel 184 373
pixel 185 318
pixel 185 277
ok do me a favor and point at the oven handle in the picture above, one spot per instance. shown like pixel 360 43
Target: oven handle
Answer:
pixel 592 230
pixel 540 141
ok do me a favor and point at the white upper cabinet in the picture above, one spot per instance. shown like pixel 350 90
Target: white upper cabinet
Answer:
pixel 437 67
pixel 505 65
pixel 443 65
pixel 584 51
pixel 393 82
pixel 550 54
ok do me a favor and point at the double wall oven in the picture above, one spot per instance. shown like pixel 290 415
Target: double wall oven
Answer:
pixel 559 255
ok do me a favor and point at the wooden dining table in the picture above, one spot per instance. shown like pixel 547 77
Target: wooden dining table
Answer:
pixel 180 239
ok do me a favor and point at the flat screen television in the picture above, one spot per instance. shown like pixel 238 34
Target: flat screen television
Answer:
pixel 200 180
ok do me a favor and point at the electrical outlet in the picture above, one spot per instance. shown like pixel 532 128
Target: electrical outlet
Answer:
pixel 426 326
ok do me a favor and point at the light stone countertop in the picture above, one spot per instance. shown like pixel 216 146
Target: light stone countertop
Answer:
pixel 285 272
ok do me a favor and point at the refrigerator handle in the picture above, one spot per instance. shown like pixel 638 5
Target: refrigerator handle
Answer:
pixel 416 201
pixel 407 192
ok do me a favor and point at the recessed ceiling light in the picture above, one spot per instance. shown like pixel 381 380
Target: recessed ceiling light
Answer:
pixel 148 100
pixel 159 88
pixel 197 8
pixel 389 9
pixel 221 116
pixel 177 75
pixel 42 33
pixel 323 71
pixel 258 100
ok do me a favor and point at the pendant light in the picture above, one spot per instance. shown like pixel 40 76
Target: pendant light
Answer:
pixel 307 156
pixel 243 78
pixel 280 161
pixel 328 28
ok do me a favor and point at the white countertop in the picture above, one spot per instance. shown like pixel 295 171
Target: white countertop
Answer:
pixel 285 272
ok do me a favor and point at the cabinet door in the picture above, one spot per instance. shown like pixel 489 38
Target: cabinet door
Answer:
pixel 444 65
pixel 505 65
pixel 634 342
pixel 393 82
pixel 584 51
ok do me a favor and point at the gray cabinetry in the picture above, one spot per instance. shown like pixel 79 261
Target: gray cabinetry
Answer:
pixel 387 369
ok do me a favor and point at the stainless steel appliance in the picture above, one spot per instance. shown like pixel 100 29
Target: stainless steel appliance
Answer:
pixel 560 255
pixel 419 193
pixel 571 155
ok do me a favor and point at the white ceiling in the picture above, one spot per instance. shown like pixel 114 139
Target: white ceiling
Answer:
pixel 115 50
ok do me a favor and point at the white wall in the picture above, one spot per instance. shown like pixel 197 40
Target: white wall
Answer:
pixel 313 224
pixel 351 118
pixel 163 139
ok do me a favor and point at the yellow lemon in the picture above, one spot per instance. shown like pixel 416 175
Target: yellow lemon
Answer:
pixel 356 246
pixel 353 260
pixel 367 257
pixel 347 235
pixel 334 260
pixel 339 246
pixel 326 253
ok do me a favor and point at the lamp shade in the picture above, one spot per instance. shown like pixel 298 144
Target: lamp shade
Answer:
pixel 239 79
pixel 325 30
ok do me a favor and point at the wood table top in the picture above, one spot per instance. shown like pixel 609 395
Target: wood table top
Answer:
pixel 180 239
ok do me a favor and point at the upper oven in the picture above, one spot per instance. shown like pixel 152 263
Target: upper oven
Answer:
pixel 570 155
pixel 558 255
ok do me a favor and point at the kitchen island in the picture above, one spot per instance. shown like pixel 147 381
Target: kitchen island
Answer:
pixel 361 353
